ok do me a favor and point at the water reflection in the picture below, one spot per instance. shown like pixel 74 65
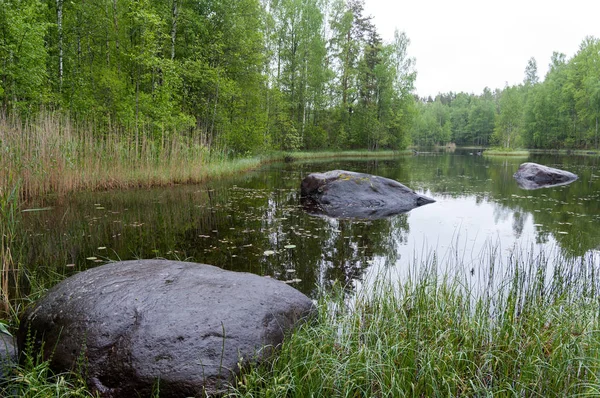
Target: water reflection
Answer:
pixel 255 223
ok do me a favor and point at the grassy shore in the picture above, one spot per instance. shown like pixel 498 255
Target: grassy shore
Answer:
pixel 569 152
pixel 506 152
pixel 532 330
pixel 52 155
pixel 535 334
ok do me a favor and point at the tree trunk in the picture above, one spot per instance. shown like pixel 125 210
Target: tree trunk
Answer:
pixel 173 28
pixel 59 20
pixel 116 25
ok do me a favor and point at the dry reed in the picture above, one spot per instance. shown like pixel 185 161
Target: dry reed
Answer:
pixel 52 154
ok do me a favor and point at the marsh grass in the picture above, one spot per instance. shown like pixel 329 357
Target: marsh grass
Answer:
pixel 52 154
pixel 9 271
pixel 534 333
pixel 33 378
pixel 505 152
pixel 294 156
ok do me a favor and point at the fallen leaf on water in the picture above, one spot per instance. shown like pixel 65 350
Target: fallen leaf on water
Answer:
pixel 289 246
pixel 268 252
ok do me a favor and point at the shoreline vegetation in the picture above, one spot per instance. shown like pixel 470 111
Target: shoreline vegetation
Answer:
pixel 538 333
pixel 506 152
pixel 531 327
pixel 55 157
pixel 531 330
pixel 138 94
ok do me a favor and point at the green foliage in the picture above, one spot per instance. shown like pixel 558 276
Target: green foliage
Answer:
pixel 23 54
pixel 433 125
pixel 246 75
pixel 34 379
pixel 431 335
pixel 508 122
pixel 560 112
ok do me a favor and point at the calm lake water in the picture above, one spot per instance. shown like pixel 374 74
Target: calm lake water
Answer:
pixel 254 222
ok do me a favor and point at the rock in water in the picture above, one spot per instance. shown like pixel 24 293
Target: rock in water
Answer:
pixel 534 176
pixel 183 327
pixel 346 194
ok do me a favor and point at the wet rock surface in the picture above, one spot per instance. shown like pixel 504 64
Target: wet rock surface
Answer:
pixel 185 326
pixel 534 176
pixel 346 194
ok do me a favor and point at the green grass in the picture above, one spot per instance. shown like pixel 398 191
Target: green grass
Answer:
pixel 34 379
pixel 567 152
pixel 293 156
pixel 505 152
pixel 533 335
pixel 530 327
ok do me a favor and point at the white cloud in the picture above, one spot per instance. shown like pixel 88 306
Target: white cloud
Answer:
pixel 466 45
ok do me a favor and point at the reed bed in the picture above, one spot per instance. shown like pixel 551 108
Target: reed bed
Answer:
pixel 534 333
pixel 52 154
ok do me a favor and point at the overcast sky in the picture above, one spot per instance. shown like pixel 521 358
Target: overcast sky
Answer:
pixel 466 45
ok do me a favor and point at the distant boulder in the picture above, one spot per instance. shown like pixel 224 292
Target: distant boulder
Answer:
pixel 534 176
pixel 346 194
pixel 185 328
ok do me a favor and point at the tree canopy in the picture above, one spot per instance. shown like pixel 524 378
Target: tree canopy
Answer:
pixel 241 75
pixel 559 112
pixel 250 75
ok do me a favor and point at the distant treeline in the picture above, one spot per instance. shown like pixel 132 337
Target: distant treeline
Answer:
pixel 559 112
pixel 252 75
pixel 245 75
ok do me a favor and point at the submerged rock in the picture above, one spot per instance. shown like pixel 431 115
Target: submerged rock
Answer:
pixel 184 327
pixel 534 176
pixel 346 194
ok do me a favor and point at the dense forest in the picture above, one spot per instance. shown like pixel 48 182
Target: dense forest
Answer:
pixel 559 112
pixel 249 75
pixel 243 75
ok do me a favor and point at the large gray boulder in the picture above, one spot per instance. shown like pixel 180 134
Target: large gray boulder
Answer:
pixel 184 327
pixel 534 176
pixel 346 194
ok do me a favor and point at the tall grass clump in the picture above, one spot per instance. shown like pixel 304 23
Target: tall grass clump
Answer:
pixel 9 272
pixel 33 378
pixel 50 153
pixel 534 332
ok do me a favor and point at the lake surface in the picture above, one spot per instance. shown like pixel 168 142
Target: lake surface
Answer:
pixel 254 222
